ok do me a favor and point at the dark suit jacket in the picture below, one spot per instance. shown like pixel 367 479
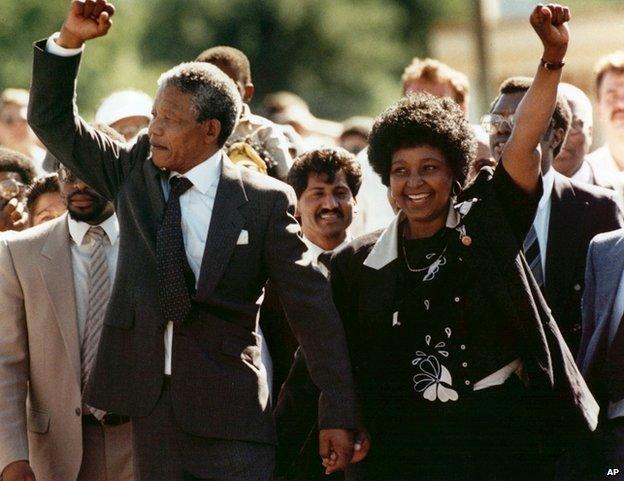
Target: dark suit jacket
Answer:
pixel 216 386
pixel 578 212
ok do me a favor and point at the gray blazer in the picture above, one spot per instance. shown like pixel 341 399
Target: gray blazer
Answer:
pixel 217 388
pixel 605 262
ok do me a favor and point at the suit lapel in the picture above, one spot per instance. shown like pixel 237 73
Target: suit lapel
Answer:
pixel 225 226
pixel 607 289
pixel 154 189
pixel 567 221
pixel 56 270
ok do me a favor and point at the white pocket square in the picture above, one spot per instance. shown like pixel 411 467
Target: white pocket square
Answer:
pixel 243 238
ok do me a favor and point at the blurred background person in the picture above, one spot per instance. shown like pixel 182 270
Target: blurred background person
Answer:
pixel 43 200
pixel 269 136
pixel 436 78
pixel 15 133
pixel 16 173
pixel 289 109
pixel 609 85
pixel 126 111
pixel 354 136
pixel 572 158
pixel 568 216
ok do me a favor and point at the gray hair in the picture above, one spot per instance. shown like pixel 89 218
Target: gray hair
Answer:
pixel 214 94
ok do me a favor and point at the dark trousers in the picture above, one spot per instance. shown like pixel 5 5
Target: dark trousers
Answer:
pixel 163 452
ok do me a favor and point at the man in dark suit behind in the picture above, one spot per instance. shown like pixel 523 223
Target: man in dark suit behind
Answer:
pixel 569 214
pixel 179 351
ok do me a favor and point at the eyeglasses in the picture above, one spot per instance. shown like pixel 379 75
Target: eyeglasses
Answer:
pixel 10 188
pixel 493 123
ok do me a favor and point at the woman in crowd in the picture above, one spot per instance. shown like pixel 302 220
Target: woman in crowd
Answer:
pixel 460 371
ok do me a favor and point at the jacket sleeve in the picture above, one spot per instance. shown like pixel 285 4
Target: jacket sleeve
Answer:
pixel 306 296
pixel 588 307
pixel 13 363
pixel 52 113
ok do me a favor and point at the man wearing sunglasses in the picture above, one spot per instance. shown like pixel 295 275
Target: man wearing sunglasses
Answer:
pixel 16 172
pixel 55 284
pixel 569 214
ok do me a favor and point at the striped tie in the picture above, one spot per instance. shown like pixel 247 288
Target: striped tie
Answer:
pixel 99 294
pixel 532 253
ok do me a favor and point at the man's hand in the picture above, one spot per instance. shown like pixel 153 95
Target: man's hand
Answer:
pixel 13 216
pixel 18 471
pixel 336 449
pixel 86 19
pixel 361 447
pixel 549 22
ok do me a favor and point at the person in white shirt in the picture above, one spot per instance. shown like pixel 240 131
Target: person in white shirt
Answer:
pixel 572 158
pixel 326 182
pixel 55 283
pixel 609 84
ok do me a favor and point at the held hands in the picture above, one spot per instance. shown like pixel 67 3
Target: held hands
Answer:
pixel 86 19
pixel 549 22
pixel 18 471
pixel 336 449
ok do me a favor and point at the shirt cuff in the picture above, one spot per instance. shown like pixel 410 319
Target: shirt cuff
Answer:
pixel 55 49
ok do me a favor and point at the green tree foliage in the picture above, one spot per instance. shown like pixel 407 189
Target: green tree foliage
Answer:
pixel 344 57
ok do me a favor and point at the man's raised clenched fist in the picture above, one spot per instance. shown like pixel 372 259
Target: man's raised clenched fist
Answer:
pixel 86 19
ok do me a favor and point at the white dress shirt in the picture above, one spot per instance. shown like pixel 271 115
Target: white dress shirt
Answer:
pixel 315 251
pixel 81 250
pixel 584 174
pixel 542 216
pixel 616 409
pixel 603 160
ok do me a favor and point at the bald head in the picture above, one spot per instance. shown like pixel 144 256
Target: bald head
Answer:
pixel 579 139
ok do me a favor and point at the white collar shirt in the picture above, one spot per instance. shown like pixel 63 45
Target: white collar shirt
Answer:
pixel 584 174
pixel 542 216
pixel 315 251
pixel 81 250
pixel 196 206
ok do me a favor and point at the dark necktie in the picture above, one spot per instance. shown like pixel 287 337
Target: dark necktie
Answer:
pixel 324 259
pixel 175 277
pixel 533 256
pixel 614 365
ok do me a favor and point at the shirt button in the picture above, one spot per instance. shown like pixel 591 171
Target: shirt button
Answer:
pixel 464 364
pixel 467 382
pixel 463 347
pixel 577 287
pixel 78 412
pixel 457 299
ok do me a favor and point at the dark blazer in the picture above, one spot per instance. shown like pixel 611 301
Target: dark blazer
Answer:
pixel 578 212
pixel 366 297
pixel 217 388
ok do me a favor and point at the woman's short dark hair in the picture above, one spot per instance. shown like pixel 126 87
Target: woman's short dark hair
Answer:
pixel 418 120
pixel 329 161
pixel 12 161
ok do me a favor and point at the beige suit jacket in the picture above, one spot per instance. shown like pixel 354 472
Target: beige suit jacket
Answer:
pixel 40 399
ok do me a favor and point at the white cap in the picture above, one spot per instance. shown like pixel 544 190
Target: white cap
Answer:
pixel 124 104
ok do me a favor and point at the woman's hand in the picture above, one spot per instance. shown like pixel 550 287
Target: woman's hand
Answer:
pixel 549 22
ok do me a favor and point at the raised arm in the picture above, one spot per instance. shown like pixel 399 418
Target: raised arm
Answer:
pixel 52 113
pixel 532 119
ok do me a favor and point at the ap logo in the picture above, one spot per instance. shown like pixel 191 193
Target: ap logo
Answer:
pixel 613 472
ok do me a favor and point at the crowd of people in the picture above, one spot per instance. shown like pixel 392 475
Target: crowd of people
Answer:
pixel 193 291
